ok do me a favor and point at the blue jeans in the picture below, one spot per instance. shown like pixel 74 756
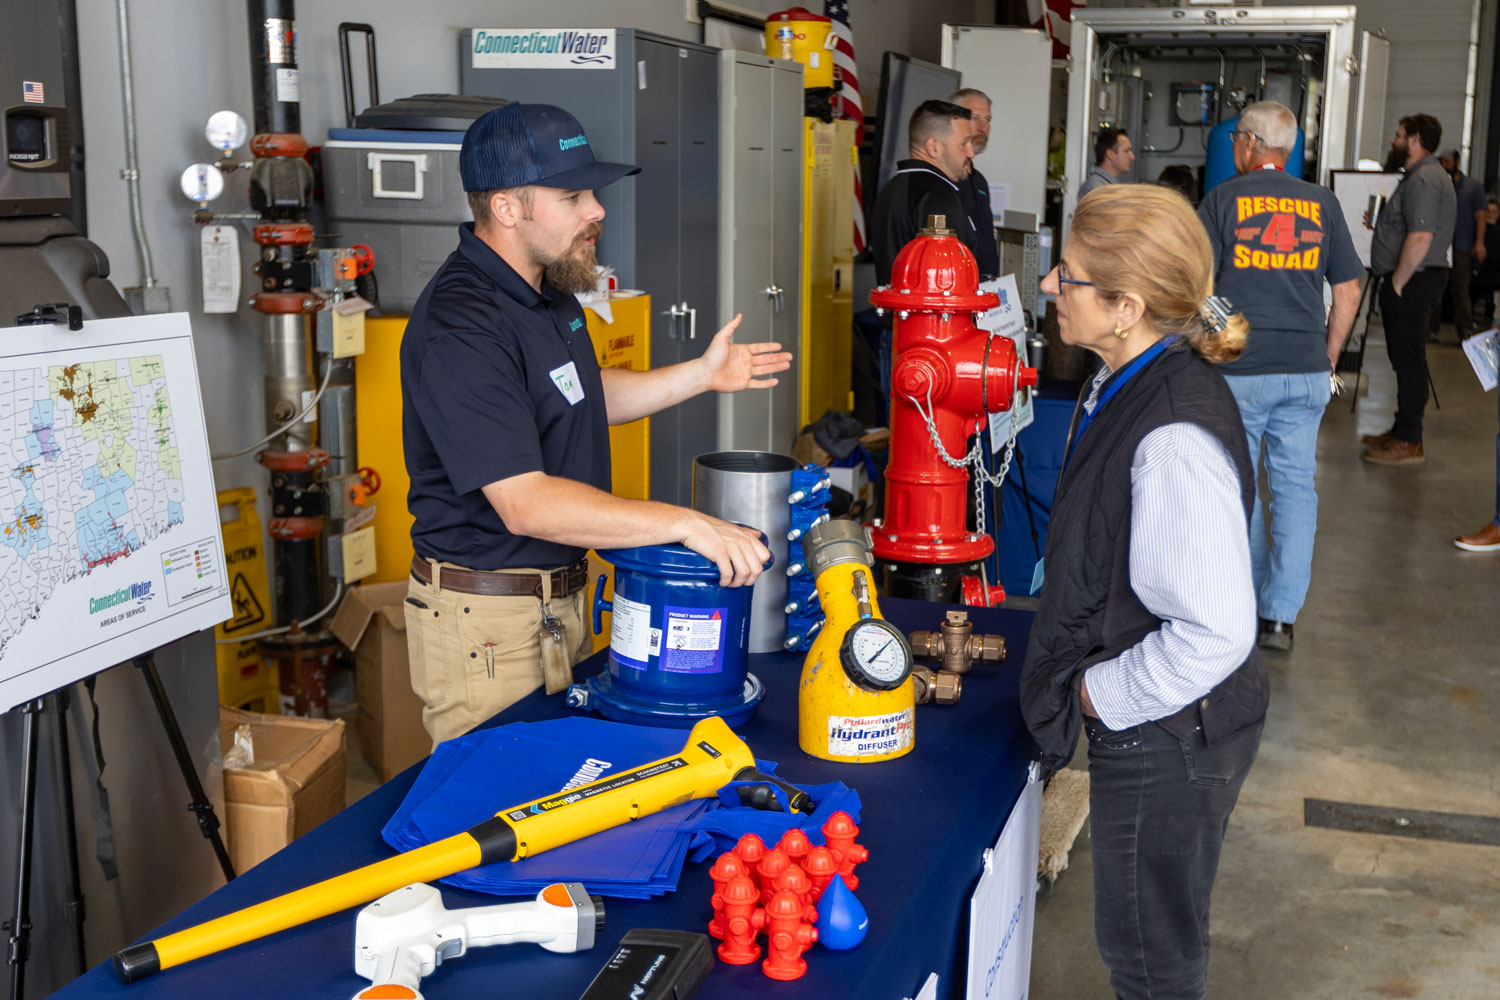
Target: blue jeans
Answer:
pixel 1158 809
pixel 1283 411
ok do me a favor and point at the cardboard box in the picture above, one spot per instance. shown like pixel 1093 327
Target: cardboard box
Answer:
pixel 370 621
pixel 295 782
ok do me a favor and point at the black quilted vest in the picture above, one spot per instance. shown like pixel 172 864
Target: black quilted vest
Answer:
pixel 1088 611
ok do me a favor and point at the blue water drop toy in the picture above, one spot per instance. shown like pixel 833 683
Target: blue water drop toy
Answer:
pixel 842 921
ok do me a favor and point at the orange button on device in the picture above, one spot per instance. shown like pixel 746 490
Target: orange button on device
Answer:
pixel 557 895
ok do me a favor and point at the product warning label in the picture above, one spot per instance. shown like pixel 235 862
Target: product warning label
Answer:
pixel 630 632
pixel 861 735
pixel 693 640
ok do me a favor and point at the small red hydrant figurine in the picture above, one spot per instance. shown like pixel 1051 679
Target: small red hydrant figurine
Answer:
pixel 839 833
pixel 795 845
pixel 794 880
pixel 789 932
pixel 750 849
pixel 773 864
pixel 727 867
pixel 739 907
pixel 947 375
pixel 821 866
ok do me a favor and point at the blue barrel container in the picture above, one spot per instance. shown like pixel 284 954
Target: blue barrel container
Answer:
pixel 1220 164
pixel 678 642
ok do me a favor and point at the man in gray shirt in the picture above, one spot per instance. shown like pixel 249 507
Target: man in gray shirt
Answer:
pixel 1468 241
pixel 1409 251
pixel 1113 158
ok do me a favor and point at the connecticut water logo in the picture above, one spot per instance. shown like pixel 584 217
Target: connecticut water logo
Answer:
pixel 140 593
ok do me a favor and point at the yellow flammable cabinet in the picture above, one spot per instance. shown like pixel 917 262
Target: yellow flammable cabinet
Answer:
pixel 623 343
pixel 827 267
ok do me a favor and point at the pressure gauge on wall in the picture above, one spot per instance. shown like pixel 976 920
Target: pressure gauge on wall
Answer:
pixel 202 183
pixel 875 655
pixel 226 131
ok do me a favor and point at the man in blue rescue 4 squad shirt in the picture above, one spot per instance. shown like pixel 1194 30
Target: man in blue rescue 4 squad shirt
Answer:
pixel 506 416
pixel 1276 240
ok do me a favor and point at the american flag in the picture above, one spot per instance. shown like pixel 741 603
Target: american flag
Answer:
pixel 32 93
pixel 848 104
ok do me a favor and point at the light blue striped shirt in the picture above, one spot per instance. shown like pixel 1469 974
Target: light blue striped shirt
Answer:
pixel 1190 566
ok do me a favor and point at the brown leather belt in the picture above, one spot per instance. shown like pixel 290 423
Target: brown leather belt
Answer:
pixel 503 583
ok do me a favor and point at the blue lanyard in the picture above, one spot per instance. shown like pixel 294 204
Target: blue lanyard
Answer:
pixel 1126 374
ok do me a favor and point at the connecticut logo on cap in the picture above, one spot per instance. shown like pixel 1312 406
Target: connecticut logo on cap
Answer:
pixel 578 140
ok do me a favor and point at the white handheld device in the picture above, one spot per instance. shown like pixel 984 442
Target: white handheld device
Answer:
pixel 405 935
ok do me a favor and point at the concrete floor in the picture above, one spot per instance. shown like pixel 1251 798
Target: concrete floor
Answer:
pixel 1390 697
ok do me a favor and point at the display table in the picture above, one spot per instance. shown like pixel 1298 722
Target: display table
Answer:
pixel 927 819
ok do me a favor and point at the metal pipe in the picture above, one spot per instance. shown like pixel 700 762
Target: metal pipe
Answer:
pixel 131 174
pixel 751 487
pixel 288 376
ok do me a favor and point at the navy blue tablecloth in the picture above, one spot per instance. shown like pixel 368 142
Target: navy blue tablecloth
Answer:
pixel 1031 483
pixel 927 818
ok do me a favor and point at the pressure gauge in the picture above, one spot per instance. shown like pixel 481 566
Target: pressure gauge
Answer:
pixel 202 183
pixel 875 655
pixel 226 130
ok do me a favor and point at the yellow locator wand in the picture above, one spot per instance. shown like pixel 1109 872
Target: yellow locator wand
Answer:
pixel 712 757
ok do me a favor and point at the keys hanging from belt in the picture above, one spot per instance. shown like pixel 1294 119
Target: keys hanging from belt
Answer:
pixel 557 667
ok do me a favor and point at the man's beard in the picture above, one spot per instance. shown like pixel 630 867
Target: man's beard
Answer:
pixel 1395 160
pixel 572 273
pixel 980 143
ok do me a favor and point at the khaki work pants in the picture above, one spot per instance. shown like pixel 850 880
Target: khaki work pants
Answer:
pixel 474 655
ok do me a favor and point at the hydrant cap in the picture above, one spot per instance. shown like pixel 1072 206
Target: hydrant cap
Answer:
pixel 935 272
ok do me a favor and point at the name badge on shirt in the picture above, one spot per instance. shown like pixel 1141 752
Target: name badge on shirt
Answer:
pixel 567 382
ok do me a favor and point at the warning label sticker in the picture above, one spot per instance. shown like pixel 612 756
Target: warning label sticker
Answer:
pixel 693 640
pixel 630 632
pixel 861 735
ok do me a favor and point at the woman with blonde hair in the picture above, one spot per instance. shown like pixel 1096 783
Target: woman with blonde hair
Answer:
pixel 1145 633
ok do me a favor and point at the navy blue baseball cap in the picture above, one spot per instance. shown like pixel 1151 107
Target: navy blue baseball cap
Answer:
pixel 540 144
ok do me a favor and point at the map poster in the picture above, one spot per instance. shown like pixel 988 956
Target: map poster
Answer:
pixel 109 525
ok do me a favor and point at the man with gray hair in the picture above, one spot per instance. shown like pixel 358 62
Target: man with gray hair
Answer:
pixel 974 190
pixel 1276 240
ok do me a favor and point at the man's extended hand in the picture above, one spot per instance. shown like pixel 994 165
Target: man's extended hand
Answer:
pixel 738 552
pixel 1479 253
pixel 730 367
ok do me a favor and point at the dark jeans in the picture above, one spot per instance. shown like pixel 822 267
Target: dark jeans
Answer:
pixel 1158 808
pixel 1405 318
pixel 1458 288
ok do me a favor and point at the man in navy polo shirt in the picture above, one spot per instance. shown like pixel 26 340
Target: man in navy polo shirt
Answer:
pixel 506 418
pixel 1276 241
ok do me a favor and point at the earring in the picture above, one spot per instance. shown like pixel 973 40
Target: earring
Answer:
pixel 1122 334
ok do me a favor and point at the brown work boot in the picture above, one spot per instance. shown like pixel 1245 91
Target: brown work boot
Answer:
pixel 1379 439
pixel 1395 452
pixel 1486 539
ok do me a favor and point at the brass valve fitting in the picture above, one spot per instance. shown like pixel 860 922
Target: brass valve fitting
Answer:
pixel 956 645
pixel 941 688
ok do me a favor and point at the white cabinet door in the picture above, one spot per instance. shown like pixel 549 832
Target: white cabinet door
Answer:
pixel 1014 67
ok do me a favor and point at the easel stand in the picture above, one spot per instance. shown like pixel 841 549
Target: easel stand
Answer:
pixel 55 705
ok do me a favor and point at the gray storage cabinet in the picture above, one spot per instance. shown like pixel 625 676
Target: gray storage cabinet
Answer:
pixel 657 106
pixel 761 238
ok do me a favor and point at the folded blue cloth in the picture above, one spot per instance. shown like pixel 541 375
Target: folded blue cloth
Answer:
pixel 469 779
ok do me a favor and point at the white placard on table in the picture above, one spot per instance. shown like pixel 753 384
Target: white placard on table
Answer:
pixel 1007 320
pixel 1003 907
pixel 111 543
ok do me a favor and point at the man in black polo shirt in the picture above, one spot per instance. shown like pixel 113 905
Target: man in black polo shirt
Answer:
pixel 506 418
pixel 1276 241
pixel 939 141
pixel 1410 250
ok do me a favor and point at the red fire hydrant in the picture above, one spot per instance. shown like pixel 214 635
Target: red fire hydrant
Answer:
pixel 945 374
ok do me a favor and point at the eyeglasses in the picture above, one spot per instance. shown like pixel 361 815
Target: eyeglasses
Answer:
pixel 1239 132
pixel 1063 278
